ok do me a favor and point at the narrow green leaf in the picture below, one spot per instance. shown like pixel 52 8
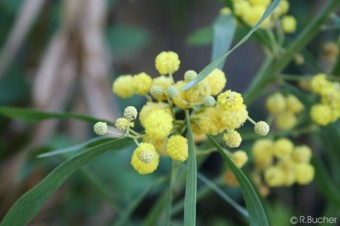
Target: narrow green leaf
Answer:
pixel 224 30
pixel 202 36
pixel 123 219
pixel 32 201
pixel 325 183
pixel 75 148
pixel 191 182
pixel 257 215
pixel 210 67
pixel 32 115
pixel 223 195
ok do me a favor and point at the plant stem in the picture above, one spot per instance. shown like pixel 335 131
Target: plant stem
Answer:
pixel 262 79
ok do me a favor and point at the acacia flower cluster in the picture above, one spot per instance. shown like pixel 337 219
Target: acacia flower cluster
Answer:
pixel 250 12
pixel 328 109
pixel 212 112
pixel 284 110
pixel 281 163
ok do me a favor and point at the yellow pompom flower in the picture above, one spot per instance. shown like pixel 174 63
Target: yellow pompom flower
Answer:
pixel 319 83
pixel 239 158
pixel 302 154
pixel 233 139
pixel 283 148
pixel 304 173
pixel 263 153
pixel 230 179
pixel 288 168
pixel 167 62
pixel 122 124
pixel 123 87
pixel 150 107
pixel 230 101
pixel 142 83
pixel 177 148
pixel 264 3
pixel 209 121
pixel 233 119
pixel 158 124
pixel 276 103
pixel 294 104
pixel 321 114
pixel 198 92
pixel 217 80
pixel 288 24
pixel 164 83
pixel 330 50
pixel 285 120
pixel 274 176
pixel 145 159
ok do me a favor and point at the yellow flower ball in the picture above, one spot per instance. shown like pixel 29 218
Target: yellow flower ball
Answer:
pixel 294 104
pixel 145 159
pixel 274 176
pixel 167 62
pixel 177 148
pixel 304 173
pixel 100 128
pixel 288 24
pixel 142 83
pixel 302 154
pixel 240 7
pixel 233 139
pixel 330 51
pixel 217 80
pixel 123 87
pixel 164 83
pixel 239 158
pixel 150 107
pixel 285 120
pixel 209 121
pixel 198 92
pixel 319 83
pixel 276 103
pixel 230 101
pixel 288 168
pixel 233 119
pixel 158 124
pixel 283 148
pixel 321 114
pixel 263 153
pixel 230 179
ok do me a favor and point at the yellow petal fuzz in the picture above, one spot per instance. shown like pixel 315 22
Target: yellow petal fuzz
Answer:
pixel 122 86
pixel 158 124
pixel 150 107
pixel 145 159
pixel 177 148
pixel 217 80
pixel 167 62
pixel 142 83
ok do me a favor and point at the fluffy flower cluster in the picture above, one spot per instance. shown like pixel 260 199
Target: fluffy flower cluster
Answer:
pixel 282 163
pixel 284 109
pixel 250 12
pixel 212 112
pixel 328 109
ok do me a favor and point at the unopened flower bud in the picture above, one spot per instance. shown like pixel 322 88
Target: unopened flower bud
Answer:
pixel 100 128
pixel 130 113
pixel 261 128
pixel 209 101
pixel 190 75
pixel 172 91
pixel 156 91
